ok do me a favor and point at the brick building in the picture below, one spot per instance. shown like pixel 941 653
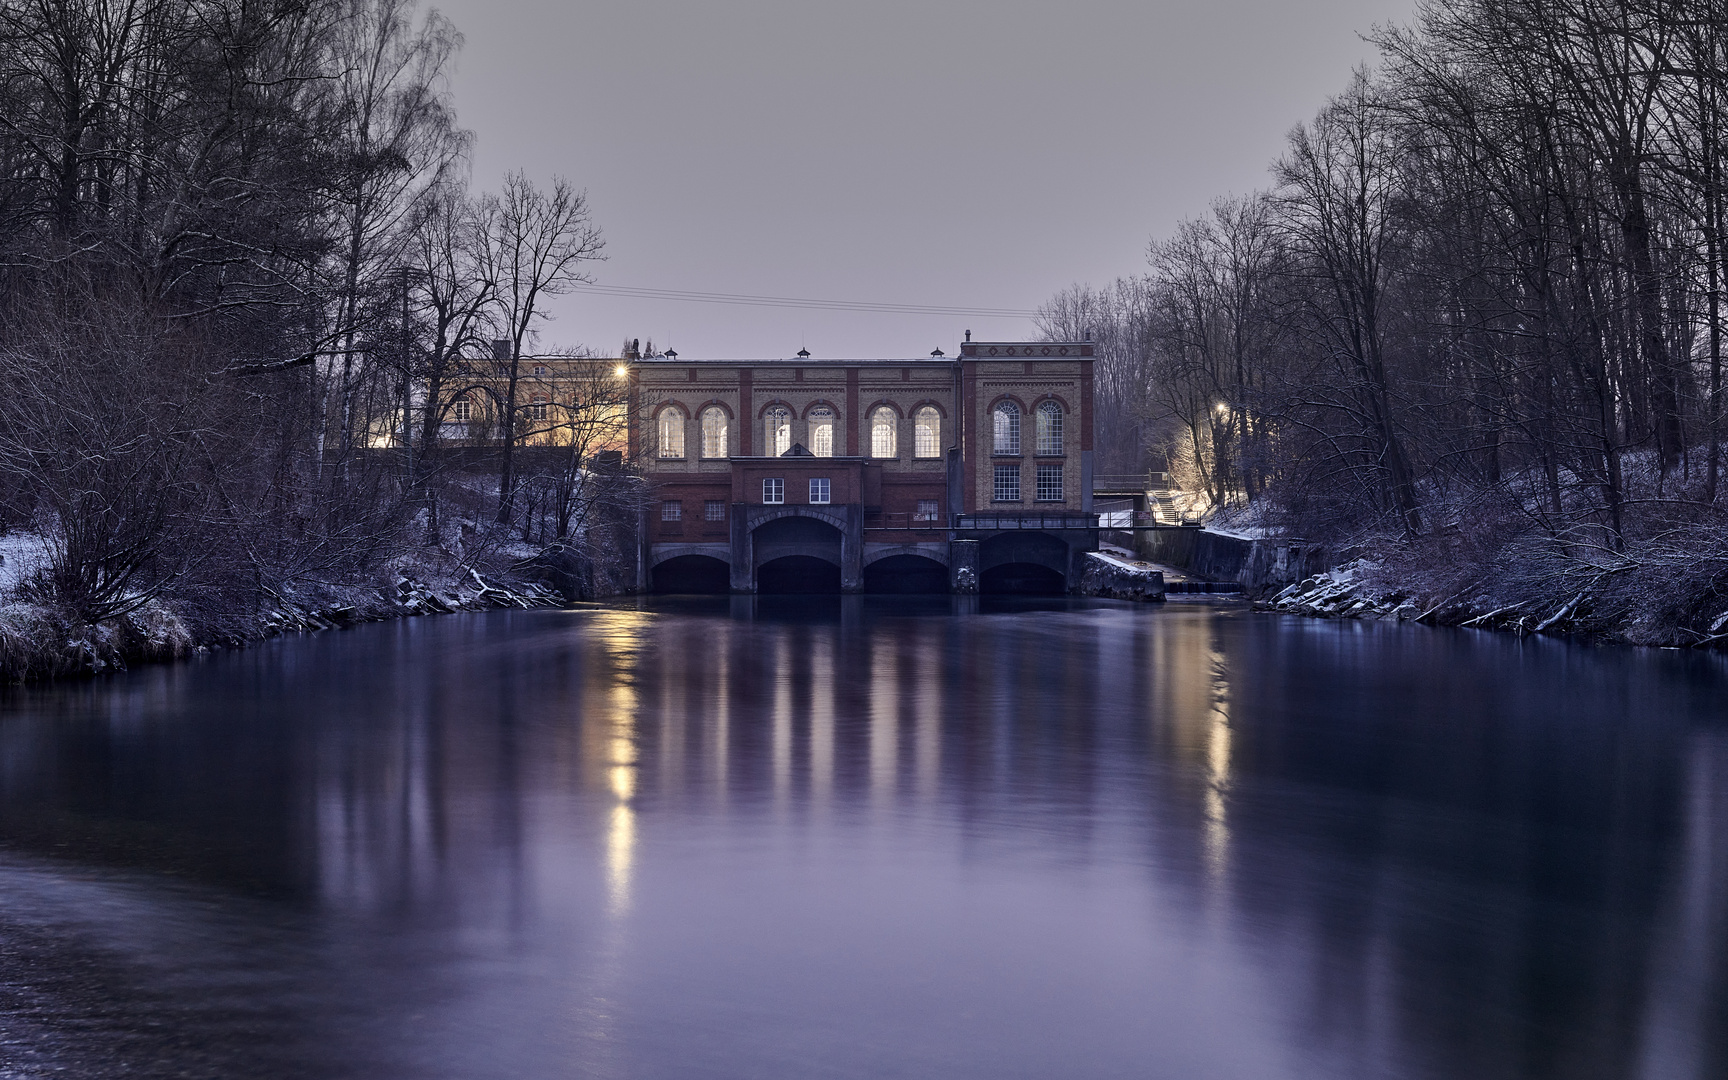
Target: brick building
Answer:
pixel 924 474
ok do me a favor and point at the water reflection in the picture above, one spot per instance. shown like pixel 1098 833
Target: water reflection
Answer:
pixel 759 838
pixel 1217 764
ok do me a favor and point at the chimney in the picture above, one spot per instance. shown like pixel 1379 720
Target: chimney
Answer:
pixel 968 335
pixel 1088 335
pixel 500 348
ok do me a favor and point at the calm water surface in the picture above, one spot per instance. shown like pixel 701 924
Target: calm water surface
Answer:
pixel 824 838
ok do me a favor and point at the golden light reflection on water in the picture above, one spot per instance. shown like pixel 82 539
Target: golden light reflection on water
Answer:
pixel 1217 835
pixel 620 857
pixel 719 752
pixel 821 722
pixel 884 719
pixel 782 720
pixel 620 635
pixel 927 750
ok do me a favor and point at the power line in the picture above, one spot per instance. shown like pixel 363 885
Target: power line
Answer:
pixel 746 300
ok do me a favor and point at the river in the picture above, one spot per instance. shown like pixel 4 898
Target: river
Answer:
pixel 871 837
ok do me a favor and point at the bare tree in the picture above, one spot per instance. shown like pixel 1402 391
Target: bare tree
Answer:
pixel 538 244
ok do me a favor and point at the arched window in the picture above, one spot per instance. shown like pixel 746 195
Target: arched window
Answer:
pixel 822 431
pixel 777 429
pixel 713 432
pixel 671 433
pixel 1007 428
pixel 882 424
pixel 927 432
pixel 1049 428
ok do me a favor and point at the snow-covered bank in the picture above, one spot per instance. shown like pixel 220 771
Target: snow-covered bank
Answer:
pixel 39 642
pixel 1621 605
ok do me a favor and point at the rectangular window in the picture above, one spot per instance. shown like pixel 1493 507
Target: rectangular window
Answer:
pixel 1007 487
pixel 818 490
pixel 926 510
pixel 671 511
pixel 714 510
pixel 774 491
pixel 1049 483
pixel 462 411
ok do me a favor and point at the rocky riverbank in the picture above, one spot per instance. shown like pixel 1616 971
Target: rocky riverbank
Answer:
pixel 1623 607
pixel 37 641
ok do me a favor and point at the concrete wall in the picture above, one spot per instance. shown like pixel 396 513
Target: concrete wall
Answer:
pixel 1257 565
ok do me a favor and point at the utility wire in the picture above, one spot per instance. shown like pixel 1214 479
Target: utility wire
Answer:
pixel 746 300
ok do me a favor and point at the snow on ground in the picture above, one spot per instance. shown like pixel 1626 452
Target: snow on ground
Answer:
pixel 21 554
pixel 1124 565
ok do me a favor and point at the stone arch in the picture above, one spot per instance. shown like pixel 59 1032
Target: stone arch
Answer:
pixel 690 572
pixel 819 403
pixel 797 553
pixel 1023 561
pixel 829 516
pixel 936 553
pixel 772 403
pixel 870 409
pixel 906 572
pixel 716 403
pixel 1051 395
pixel 666 552
pixel 1024 546
pixel 927 403
pixel 1000 398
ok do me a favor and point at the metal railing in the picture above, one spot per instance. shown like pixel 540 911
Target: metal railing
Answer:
pixel 1045 522
pixel 1137 482
pixel 901 522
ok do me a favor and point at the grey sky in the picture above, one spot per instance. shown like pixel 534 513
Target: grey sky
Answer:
pixel 947 152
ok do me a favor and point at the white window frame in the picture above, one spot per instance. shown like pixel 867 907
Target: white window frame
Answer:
pixel 1050 428
pixel 1041 485
pixel 884 429
pixel 774 491
pixel 462 410
pixel 671 433
pixel 671 510
pixel 714 510
pixel 823 420
pixel 927 433
pixel 777 438
pixel 1005 429
pixel 714 433
pixel 928 510
pixel 820 490
pixel 998 488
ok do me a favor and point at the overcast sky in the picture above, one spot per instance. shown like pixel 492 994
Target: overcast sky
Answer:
pixel 958 153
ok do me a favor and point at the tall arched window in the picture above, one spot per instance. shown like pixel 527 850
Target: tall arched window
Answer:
pixel 927 432
pixel 882 424
pixel 1049 428
pixel 713 432
pixel 777 430
pixel 822 431
pixel 671 433
pixel 1007 428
